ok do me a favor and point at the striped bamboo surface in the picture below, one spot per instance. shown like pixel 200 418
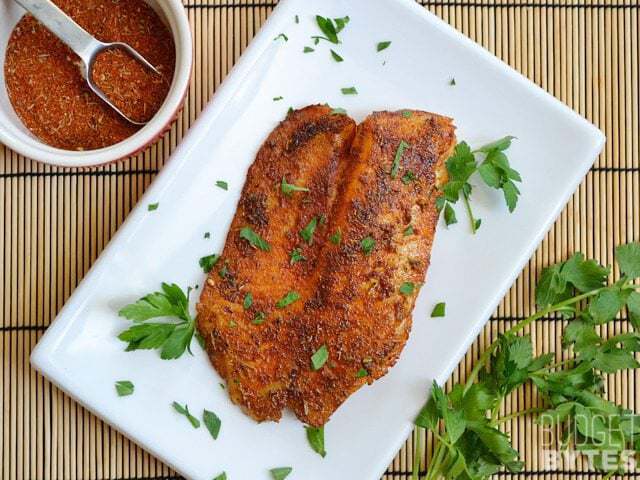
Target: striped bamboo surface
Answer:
pixel 55 222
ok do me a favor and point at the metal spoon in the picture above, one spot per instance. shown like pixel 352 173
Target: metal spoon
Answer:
pixel 85 45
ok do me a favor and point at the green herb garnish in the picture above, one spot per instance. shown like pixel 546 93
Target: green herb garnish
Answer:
pixel 288 188
pixel 336 238
pixel 208 262
pixel 407 113
pixel 319 358
pixel 407 288
pixel 438 310
pixel 396 160
pixel 382 46
pixel 408 231
pixel 153 206
pixel 307 232
pixel 308 50
pixel 449 215
pixel 466 420
pixel 349 91
pixel 315 437
pixel 297 19
pixel 212 422
pixel 277 99
pixel 222 184
pixel 362 373
pixel 171 338
pixel 255 240
pixel 288 299
pixel 124 388
pixel 282 36
pixel 367 244
pixel 452 82
pixel 222 476
pixel 207 235
pixel 330 28
pixel 408 177
pixel 248 301
pixel 336 56
pixel 338 111
pixel 280 473
pixel 296 256
pixel 259 318
pixel 185 411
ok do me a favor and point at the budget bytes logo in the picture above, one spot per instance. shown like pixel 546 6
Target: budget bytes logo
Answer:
pixel 594 439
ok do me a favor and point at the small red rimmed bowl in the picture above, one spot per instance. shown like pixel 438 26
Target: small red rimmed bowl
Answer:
pixel 14 134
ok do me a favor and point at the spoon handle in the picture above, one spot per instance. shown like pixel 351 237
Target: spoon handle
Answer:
pixel 63 26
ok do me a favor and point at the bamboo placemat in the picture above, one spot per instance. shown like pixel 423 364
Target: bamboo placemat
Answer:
pixel 55 222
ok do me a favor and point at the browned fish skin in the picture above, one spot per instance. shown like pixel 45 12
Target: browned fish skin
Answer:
pixel 350 301
pixel 308 149
pixel 358 311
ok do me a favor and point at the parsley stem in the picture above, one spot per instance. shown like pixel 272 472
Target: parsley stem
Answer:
pixel 467 205
pixel 417 458
pixel 522 324
pixel 521 413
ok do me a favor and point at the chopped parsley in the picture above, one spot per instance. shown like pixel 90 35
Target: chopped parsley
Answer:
pixel 283 36
pixel 288 188
pixel 452 82
pixel 338 111
pixel 222 476
pixel 224 271
pixel 367 244
pixel 124 388
pixel 255 240
pixel 277 99
pixel 408 231
pixel 336 57
pixel 315 437
pixel 222 184
pixel 308 50
pixel 248 301
pixel 208 262
pixel 407 113
pixel 349 91
pixel 320 357
pixel 297 19
pixel 330 28
pixel 280 473
pixel 307 232
pixel 408 177
pixel 396 161
pixel 185 411
pixel 288 299
pixel 407 288
pixel 382 46
pixel 259 318
pixel 296 256
pixel 207 235
pixel 212 422
pixel 449 215
pixel 362 373
pixel 153 206
pixel 336 238
pixel 438 310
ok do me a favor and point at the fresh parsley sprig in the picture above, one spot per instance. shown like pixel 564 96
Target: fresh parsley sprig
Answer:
pixel 494 170
pixel 466 423
pixel 172 338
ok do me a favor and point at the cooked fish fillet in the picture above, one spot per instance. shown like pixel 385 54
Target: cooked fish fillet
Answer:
pixel 356 298
pixel 308 149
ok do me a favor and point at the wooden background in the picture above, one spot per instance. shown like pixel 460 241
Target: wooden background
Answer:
pixel 55 222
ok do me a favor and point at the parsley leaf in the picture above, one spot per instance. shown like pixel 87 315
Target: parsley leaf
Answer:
pixel 207 235
pixel 288 299
pixel 396 161
pixel 185 411
pixel 338 111
pixel 628 258
pixel 438 310
pixel 259 318
pixel 280 473
pixel 212 422
pixel 153 206
pixel 382 46
pixel 349 91
pixel 341 23
pixel 307 232
pixel 248 301
pixel 208 262
pixel 296 256
pixel 282 36
pixel 452 82
pixel 308 50
pixel 319 358
pixel 222 184
pixel 449 215
pixel 315 437
pixel 367 244
pixel 407 288
pixel 124 388
pixel 222 476
pixel 288 188
pixel 255 240
pixel 407 113
pixel 362 373
pixel 408 231
pixel 336 56
pixel 336 238
pixel 408 177
pixel 328 29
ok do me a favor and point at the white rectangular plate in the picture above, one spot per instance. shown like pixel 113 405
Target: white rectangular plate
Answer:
pixel 554 150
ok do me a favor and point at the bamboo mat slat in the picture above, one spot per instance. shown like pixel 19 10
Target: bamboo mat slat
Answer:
pixel 55 223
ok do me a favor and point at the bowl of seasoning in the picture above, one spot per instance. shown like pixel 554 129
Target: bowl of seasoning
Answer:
pixel 47 110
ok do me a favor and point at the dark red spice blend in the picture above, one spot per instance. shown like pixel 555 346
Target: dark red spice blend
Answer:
pixel 52 98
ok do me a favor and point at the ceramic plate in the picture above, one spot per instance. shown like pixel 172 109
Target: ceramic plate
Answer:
pixel 554 150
